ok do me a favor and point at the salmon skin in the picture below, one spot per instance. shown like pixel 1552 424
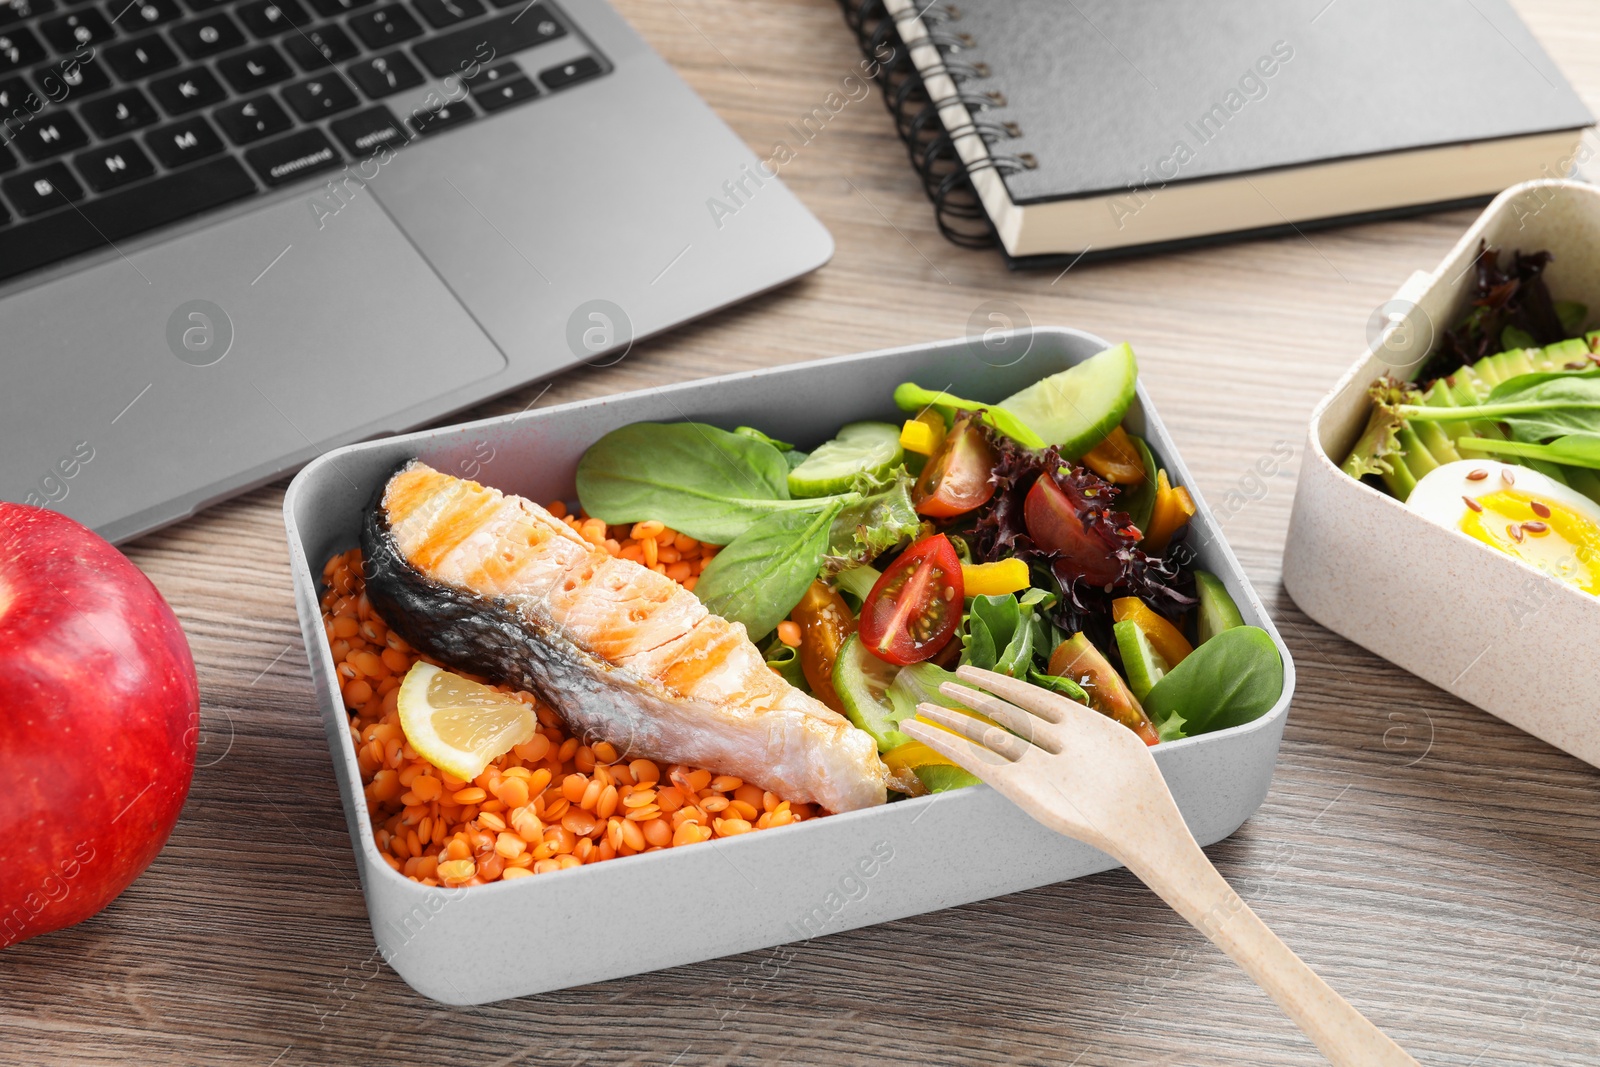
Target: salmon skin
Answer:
pixel 496 585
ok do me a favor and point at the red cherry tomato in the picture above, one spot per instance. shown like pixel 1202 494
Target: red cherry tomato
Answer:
pixel 956 478
pixel 914 609
pixel 1054 525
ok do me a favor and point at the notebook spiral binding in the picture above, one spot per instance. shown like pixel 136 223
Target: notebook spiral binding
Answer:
pixel 946 177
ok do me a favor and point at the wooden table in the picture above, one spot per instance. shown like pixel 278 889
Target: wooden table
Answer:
pixel 1437 866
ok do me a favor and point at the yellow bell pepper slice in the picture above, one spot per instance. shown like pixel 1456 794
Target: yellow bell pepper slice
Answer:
pixel 922 434
pixel 1165 638
pixel 1116 459
pixel 1174 507
pixel 994 579
pixel 911 755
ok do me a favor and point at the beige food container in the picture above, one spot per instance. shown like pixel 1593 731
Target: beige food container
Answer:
pixel 1490 629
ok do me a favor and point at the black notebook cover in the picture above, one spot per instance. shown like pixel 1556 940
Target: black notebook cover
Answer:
pixel 1119 97
pixel 1109 93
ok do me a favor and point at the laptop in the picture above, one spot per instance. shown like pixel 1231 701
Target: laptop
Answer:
pixel 237 233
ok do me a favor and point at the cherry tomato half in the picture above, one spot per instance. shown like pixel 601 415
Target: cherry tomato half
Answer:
pixel 825 621
pixel 1054 525
pixel 956 477
pixel 914 609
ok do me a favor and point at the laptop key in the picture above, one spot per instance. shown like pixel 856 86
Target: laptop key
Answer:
pixel 19 48
pixel 319 46
pixel 453 52
pixel 8 162
pixel 503 92
pixel 255 69
pixel 68 32
pixel 317 98
pixel 331 9
pixel 183 142
pixel 250 120
pixel 187 90
pixel 442 13
pixel 16 96
pixel 34 192
pixel 381 76
pixel 208 35
pixel 424 121
pixel 131 16
pixel 293 157
pixel 581 69
pixel 14 11
pixel 383 26
pixel 367 131
pixel 50 134
pixel 72 77
pixel 140 58
pixel 114 165
pixel 499 72
pixel 30 245
pixel 121 112
pixel 268 18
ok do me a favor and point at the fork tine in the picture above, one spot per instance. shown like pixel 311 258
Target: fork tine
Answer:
pixel 1037 729
pixel 1047 705
pixel 997 745
pixel 972 758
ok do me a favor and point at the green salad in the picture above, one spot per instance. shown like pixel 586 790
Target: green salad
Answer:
pixel 1036 537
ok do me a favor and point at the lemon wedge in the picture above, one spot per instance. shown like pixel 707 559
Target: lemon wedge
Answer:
pixel 457 724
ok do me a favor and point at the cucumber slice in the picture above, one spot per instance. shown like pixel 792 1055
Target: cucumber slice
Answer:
pixel 862 682
pixel 939 777
pixel 871 448
pixel 1142 665
pixel 1218 612
pixel 1077 407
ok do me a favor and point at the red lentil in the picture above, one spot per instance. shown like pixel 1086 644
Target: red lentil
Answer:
pixel 549 804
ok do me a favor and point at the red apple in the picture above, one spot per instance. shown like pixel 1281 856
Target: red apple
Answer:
pixel 99 718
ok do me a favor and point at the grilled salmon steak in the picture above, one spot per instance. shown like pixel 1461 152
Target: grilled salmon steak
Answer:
pixel 496 585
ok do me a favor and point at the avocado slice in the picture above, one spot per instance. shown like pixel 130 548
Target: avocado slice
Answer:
pixel 1077 407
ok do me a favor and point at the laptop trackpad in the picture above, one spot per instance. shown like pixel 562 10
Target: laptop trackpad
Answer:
pixel 167 378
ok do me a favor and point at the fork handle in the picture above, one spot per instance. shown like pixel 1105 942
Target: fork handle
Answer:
pixel 1181 875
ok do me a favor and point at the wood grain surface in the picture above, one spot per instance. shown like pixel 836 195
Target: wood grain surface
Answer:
pixel 1439 868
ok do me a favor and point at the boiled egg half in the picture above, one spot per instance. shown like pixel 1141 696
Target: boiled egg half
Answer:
pixel 1518 511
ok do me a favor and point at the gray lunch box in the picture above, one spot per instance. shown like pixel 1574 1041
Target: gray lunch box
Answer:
pixel 509 939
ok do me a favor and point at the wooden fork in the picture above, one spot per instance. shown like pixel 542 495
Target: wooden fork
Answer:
pixel 1088 777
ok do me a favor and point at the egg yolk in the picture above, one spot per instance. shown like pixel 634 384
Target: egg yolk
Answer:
pixel 1563 543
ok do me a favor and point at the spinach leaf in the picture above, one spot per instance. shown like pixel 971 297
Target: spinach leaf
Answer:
pixel 762 574
pixel 791 455
pixel 865 530
pixel 699 480
pixel 1549 404
pixel 752 432
pixel 1535 407
pixel 910 396
pixel 1574 450
pixel 1002 633
pixel 1236 677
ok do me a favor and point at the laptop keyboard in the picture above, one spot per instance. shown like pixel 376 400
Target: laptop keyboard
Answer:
pixel 120 116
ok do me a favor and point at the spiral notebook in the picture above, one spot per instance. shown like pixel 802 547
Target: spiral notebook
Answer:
pixel 1064 129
